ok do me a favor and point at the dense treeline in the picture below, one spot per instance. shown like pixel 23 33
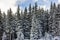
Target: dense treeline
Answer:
pixel 32 23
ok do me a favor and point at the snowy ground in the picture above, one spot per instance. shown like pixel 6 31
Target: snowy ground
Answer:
pixel 49 37
pixel 46 37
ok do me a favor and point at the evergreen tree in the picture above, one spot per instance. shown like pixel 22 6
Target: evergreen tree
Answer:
pixel 1 25
pixel 50 18
pixel 32 33
pixel 9 23
pixel 18 20
pixel 29 9
pixel 4 21
pixel 19 24
pixel 18 12
pixel 46 21
pixel 42 19
pixel 25 12
pixel 34 28
pixel 52 21
pixel 36 7
pixel 26 25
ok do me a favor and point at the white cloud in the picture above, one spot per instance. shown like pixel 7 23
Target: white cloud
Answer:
pixel 44 0
pixel 21 1
pixel 6 4
pixel 44 7
pixel 58 1
pixel 35 0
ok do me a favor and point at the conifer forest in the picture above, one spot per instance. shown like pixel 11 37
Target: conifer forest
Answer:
pixel 31 24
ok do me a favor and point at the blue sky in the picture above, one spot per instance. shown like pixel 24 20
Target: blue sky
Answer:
pixel 6 4
pixel 43 3
pixel 39 2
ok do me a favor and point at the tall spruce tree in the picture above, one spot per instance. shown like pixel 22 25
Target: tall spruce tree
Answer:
pixel 52 21
pixel 18 20
pixel 46 21
pixel 1 25
pixel 9 24
pixel 25 12
pixel 4 21
pixel 18 12
pixel 42 21
pixel 34 29
pixel 26 28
